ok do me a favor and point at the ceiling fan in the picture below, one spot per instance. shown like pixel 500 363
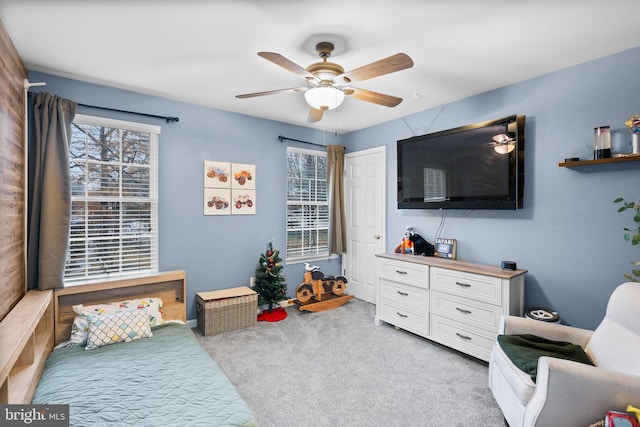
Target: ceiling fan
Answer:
pixel 502 143
pixel 328 83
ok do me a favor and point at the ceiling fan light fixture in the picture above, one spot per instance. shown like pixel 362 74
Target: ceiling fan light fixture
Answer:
pixel 324 97
pixel 505 148
pixel 501 138
pixel 504 144
pixel 326 80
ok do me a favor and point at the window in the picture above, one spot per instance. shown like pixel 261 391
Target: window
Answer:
pixel 435 185
pixel 114 198
pixel 307 205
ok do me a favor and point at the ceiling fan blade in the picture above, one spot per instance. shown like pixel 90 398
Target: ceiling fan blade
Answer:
pixel 371 96
pixel 272 92
pixel 315 115
pixel 287 64
pixel 393 63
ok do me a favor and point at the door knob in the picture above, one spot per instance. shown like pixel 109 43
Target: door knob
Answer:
pixel 376 236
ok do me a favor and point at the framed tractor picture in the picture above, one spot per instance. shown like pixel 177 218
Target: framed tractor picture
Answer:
pixel 243 176
pixel 217 201
pixel 229 188
pixel 243 202
pixel 217 174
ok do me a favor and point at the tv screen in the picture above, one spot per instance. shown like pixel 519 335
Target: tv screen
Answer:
pixel 479 166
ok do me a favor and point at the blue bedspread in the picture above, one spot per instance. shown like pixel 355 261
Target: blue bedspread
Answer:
pixel 165 380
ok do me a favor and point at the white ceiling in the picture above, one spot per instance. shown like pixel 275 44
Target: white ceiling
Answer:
pixel 204 52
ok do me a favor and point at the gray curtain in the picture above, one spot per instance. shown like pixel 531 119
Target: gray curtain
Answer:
pixel 49 190
pixel 335 182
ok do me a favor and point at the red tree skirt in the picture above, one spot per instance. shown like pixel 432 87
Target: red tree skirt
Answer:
pixel 276 315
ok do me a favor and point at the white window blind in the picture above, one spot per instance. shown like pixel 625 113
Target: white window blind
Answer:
pixel 435 185
pixel 114 198
pixel 307 204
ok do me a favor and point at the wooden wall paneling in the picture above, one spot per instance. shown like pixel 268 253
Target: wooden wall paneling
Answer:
pixel 12 175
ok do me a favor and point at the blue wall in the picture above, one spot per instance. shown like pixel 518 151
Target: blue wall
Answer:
pixel 216 251
pixel 568 236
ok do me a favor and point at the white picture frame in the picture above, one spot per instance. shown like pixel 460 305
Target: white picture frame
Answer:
pixel 243 176
pixel 229 188
pixel 217 174
pixel 217 201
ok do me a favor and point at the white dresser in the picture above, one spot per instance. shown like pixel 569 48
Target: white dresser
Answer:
pixel 455 303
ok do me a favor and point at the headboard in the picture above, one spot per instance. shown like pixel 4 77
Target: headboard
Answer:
pixel 170 286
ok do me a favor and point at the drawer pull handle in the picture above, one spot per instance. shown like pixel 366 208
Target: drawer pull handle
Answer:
pixel 404 294
pixel 464 285
pixel 464 337
pixel 404 316
pixel 462 310
pixel 401 272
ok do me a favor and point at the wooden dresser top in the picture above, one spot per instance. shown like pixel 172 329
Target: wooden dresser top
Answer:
pixel 468 267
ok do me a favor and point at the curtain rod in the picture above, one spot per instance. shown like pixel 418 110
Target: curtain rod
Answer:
pixel 282 138
pixel 168 119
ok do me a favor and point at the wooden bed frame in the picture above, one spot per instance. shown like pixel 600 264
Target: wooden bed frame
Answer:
pixel 43 319
pixel 169 286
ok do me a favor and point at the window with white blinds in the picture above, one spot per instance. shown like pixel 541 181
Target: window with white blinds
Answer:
pixel 435 185
pixel 307 204
pixel 114 198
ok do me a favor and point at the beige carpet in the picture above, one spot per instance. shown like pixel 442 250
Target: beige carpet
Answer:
pixel 336 368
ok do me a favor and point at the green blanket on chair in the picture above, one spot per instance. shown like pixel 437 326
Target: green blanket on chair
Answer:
pixel 524 351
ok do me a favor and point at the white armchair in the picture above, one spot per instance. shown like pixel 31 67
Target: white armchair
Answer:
pixel 568 393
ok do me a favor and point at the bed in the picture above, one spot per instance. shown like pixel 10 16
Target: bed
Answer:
pixel 166 379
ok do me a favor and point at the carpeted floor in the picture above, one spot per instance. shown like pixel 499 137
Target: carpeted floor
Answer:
pixel 337 368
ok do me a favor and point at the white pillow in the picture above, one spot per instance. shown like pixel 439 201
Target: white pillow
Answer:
pixel 121 326
pixel 80 327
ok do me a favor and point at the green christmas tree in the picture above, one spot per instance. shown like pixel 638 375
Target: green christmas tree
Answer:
pixel 270 283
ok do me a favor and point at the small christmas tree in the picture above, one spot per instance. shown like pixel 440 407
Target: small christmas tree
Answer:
pixel 270 283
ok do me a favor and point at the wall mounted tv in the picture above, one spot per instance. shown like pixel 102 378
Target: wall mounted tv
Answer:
pixel 478 166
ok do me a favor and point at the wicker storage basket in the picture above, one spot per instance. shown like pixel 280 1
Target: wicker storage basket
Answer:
pixel 226 310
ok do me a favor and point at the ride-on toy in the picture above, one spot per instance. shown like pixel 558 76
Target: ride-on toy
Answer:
pixel 326 291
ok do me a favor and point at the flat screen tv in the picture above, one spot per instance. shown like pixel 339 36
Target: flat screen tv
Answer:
pixel 478 166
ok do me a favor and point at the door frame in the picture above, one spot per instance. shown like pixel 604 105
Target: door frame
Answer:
pixel 383 199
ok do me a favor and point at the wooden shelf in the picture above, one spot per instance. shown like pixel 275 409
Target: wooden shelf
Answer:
pixel 627 158
pixel 26 339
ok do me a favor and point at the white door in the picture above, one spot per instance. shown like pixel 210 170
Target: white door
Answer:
pixel 365 206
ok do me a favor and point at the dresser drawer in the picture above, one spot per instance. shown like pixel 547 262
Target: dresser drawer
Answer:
pixel 411 297
pixel 404 317
pixel 466 338
pixel 408 272
pixel 467 285
pixel 467 311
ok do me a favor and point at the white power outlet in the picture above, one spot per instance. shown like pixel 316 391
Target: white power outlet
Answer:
pixel 252 281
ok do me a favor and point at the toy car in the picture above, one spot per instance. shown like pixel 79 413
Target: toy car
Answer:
pixel 243 200
pixel 219 173
pixel 218 202
pixel 242 177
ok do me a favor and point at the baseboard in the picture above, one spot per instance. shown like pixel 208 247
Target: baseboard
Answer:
pixel 192 323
